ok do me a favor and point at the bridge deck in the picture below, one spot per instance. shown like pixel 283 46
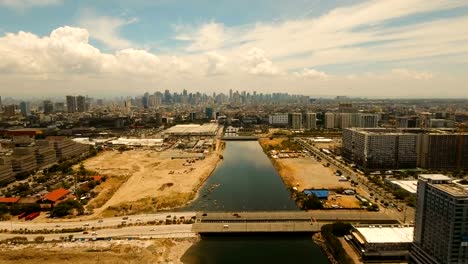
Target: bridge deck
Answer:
pixel 279 221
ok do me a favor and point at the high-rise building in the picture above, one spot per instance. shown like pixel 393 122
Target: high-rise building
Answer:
pixel 209 112
pixel 59 107
pixel 25 108
pixel 296 121
pixel 71 104
pixel 441 225
pixel 443 150
pixel 329 120
pixel 378 149
pixel 48 107
pixel 9 110
pixel 310 121
pixel 278 119
pixel 369 120
pixel 81 104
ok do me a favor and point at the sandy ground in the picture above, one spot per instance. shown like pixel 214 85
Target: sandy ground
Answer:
pixel 151 178
pixel 307 173
pixel 115 252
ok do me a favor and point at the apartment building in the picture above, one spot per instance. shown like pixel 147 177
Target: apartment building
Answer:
pixel 310 121
pixel 6 171
pixel 296 121
pixel 443 150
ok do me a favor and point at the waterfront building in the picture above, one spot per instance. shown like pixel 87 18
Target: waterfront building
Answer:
pixel 441 226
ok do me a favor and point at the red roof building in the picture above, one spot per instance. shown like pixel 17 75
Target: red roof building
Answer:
pixel 97 178
pixel 9 200
pixel 56 195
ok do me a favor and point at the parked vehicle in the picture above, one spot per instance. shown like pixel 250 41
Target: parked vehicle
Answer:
pixel 31 216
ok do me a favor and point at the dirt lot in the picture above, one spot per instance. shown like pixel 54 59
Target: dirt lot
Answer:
pixel 115 252
pixel 145 180
pixel 307 173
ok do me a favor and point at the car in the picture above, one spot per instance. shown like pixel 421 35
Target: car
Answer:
pixel 399 209
pixel 85 232
pixel 100 221
pixel 169 216
pixel 94 233
pixel 57 225
pixel 152 229
pixel 86 224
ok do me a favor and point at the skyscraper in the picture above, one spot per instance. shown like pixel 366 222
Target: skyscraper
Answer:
pixel 71 104
pixel 25 108
pixel 81 105
pixel 441 226
pixel 48 107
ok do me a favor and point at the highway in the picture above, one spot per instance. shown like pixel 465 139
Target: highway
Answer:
pixel 89 224
pixel 158 231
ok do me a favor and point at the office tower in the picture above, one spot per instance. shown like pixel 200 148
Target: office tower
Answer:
pixel 379 149
pixel 369 120
pixel 209 112
pixel 71 104
pixel 81 105
pixel 443 150
pixel 48 107
pixel 310 121
pixel 296 121
pixel 329 120
pixel 145 100
pixel 441 226
pixel 9 110
pixel 59 107
pixel 25 108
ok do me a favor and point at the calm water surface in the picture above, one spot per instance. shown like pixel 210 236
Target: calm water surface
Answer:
pixel 247 181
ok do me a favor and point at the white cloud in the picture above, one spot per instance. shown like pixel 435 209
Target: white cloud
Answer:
pixel 311 74
pixel 416 75
pixel 24 4
pixel 106 29
pixel 257 63
pixel 208 37
pixel 216 63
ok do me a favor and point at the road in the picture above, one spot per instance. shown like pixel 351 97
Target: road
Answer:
pixel 408 213
pixel 158 231
pixel 89 224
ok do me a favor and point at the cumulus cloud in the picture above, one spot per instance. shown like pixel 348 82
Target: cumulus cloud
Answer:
pixel 216 63
pixel 207 37
pixel 257 63
pixel 106 29
pixel 67 51
pixel 310 74
pixel 24 4
pixel 409 74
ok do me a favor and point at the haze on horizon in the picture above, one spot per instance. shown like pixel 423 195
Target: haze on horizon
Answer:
pixel 394 48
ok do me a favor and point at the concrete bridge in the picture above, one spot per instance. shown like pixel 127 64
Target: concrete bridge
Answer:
pixel 279 221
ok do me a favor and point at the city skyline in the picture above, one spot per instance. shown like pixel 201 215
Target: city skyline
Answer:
pixel 383 49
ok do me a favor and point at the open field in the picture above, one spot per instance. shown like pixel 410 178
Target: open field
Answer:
pixel 145 180
pixel 115 252
pixel 307 173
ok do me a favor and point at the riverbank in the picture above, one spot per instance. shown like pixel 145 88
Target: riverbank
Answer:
pixel 146 181
pixel 116 251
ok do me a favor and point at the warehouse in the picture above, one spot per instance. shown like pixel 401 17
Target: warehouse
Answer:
pixel 209 129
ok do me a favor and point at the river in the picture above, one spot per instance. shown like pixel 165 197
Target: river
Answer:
pixel 247 181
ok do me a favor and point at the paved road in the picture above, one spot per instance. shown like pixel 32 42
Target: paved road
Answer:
pixel 406 216
pixel 159 231
pixel 106 222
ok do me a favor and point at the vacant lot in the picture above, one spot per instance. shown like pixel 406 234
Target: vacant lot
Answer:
pixel 307 173
pixel 145 180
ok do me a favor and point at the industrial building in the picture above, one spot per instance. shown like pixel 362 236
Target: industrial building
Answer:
pixel 382 242
pixel 441 223
pixel 208 129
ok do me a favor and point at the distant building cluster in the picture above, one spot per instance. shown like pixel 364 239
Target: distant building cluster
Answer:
pixel 24 154
pixel 382 149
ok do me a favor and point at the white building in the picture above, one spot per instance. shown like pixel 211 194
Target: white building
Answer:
pixel 329 120
pixel 279 119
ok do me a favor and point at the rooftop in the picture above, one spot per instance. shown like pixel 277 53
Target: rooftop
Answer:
pixel 9 199
pixel 209 128
pixel 435 177
pixel 453 189
pixel 386 234
pixel 410 186
pixel 56 195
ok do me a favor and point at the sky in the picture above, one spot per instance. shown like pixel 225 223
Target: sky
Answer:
pixel 381 48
